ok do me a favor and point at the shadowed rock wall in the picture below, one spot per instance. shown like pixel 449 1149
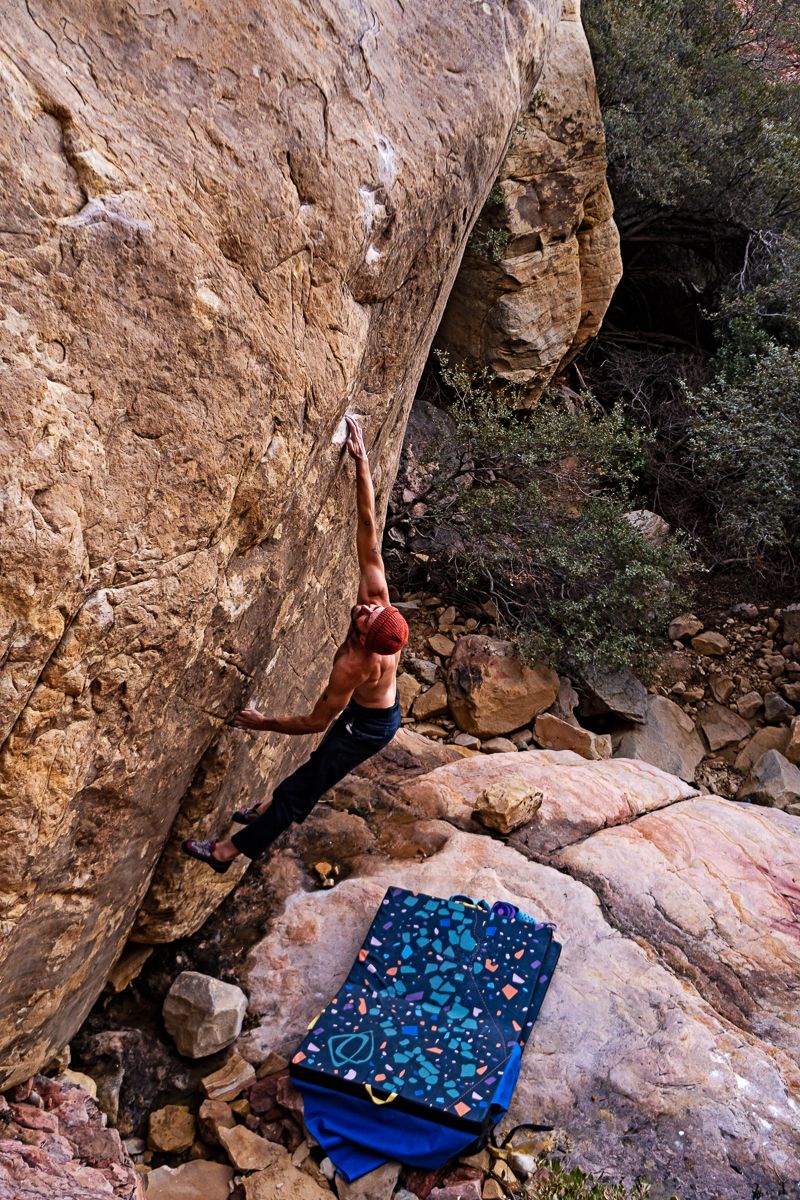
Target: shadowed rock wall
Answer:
pixel 221 225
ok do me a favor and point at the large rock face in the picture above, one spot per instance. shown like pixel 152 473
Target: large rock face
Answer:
pixel 221 226
pixel 541 269
pixel 667 1045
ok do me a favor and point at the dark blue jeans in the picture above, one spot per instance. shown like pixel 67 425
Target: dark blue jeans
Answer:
pixel 355 736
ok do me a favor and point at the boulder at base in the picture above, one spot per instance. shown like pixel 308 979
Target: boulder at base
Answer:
pixel 667 739
pixel 636 1064
pixel 491 690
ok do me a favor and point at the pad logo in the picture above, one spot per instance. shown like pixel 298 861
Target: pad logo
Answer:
pixel 349 1049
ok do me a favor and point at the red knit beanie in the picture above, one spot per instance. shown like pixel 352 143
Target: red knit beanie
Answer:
pixel 387 634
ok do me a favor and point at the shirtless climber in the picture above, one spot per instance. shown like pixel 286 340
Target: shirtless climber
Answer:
pixel 362 688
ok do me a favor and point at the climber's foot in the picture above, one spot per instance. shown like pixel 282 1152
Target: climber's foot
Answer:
pixel 246 816
pixel 204 851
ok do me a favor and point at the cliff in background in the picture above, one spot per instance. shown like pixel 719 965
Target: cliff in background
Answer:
pixel 221 228
pixel 542 266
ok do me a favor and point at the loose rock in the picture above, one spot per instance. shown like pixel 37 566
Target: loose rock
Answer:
pixel 499 745
pixel 213 1116
pixel 441 645
pixel 198 1180
pixel 408 688
pixel 721 726
pixel 509 805
pixel 203 1014
pixel 618 693
pixel 171 1129
pixel 710 643
pixel 792 750
pixel 248 1151
pixel 667 739
pixel 229 1080
pixel 554 734
pixel 776 708
pixel 432 703
pixel 773 781
pixel 749 704
pixel 769 738
pixel 685 626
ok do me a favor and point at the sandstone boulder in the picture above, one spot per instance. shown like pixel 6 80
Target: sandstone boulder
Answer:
pixel 507 806
pixel 773 781
pixel 282 1183
pixel 221 227
pixel 543 262
pixel 553 734
pixel 491 690
pixel 721 726
pixel 203 1014
pixel 578 796
pixel 667 739
pixel 617 1021
pixel 614 693
pixel 408 688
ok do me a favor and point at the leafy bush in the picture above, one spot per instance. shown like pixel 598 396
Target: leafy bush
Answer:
pixel 745 441
pixel 537 503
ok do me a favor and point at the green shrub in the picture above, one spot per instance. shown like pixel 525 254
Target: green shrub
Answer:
pixel 745 441
pixel 537 503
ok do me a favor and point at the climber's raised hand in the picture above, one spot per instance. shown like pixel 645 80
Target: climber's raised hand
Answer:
pixel 355 442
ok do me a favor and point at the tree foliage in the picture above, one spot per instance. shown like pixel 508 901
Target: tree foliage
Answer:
pixel 531 514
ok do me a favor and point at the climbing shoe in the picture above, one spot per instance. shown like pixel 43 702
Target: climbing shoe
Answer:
pixel 246 816
pixel 204 851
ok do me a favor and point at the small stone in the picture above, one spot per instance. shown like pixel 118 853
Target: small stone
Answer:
pixel 748 612
pixel 685 626
pixel 408 688
pixel 203 1014
pixel 467 740
pixel 711 643
pixel 470 625
pixel 428 729
pixel 432 703
pixel 722 688
pixel 790 620
pixel 776 664
pixel 447 619
pixel 694 693
pixel 492 1190
pixel 171 1129
pixel 423 669
pixel 792 692
pixel 522 738
pixel 212 1116
pixel 618 693
pixel 271 1065
pixel 749 704
pixel 441 645
pixel 248 1151
pixel 468 1189
pixel 498 745
pixel 776 708
pixel 792 750
pixel 241 1107
pixel 229 1080
pixel 375 1185
pixel 509 805
pixel 650 525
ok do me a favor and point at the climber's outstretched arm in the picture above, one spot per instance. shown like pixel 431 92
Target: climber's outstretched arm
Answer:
pixel 341 685
pixel 372 588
